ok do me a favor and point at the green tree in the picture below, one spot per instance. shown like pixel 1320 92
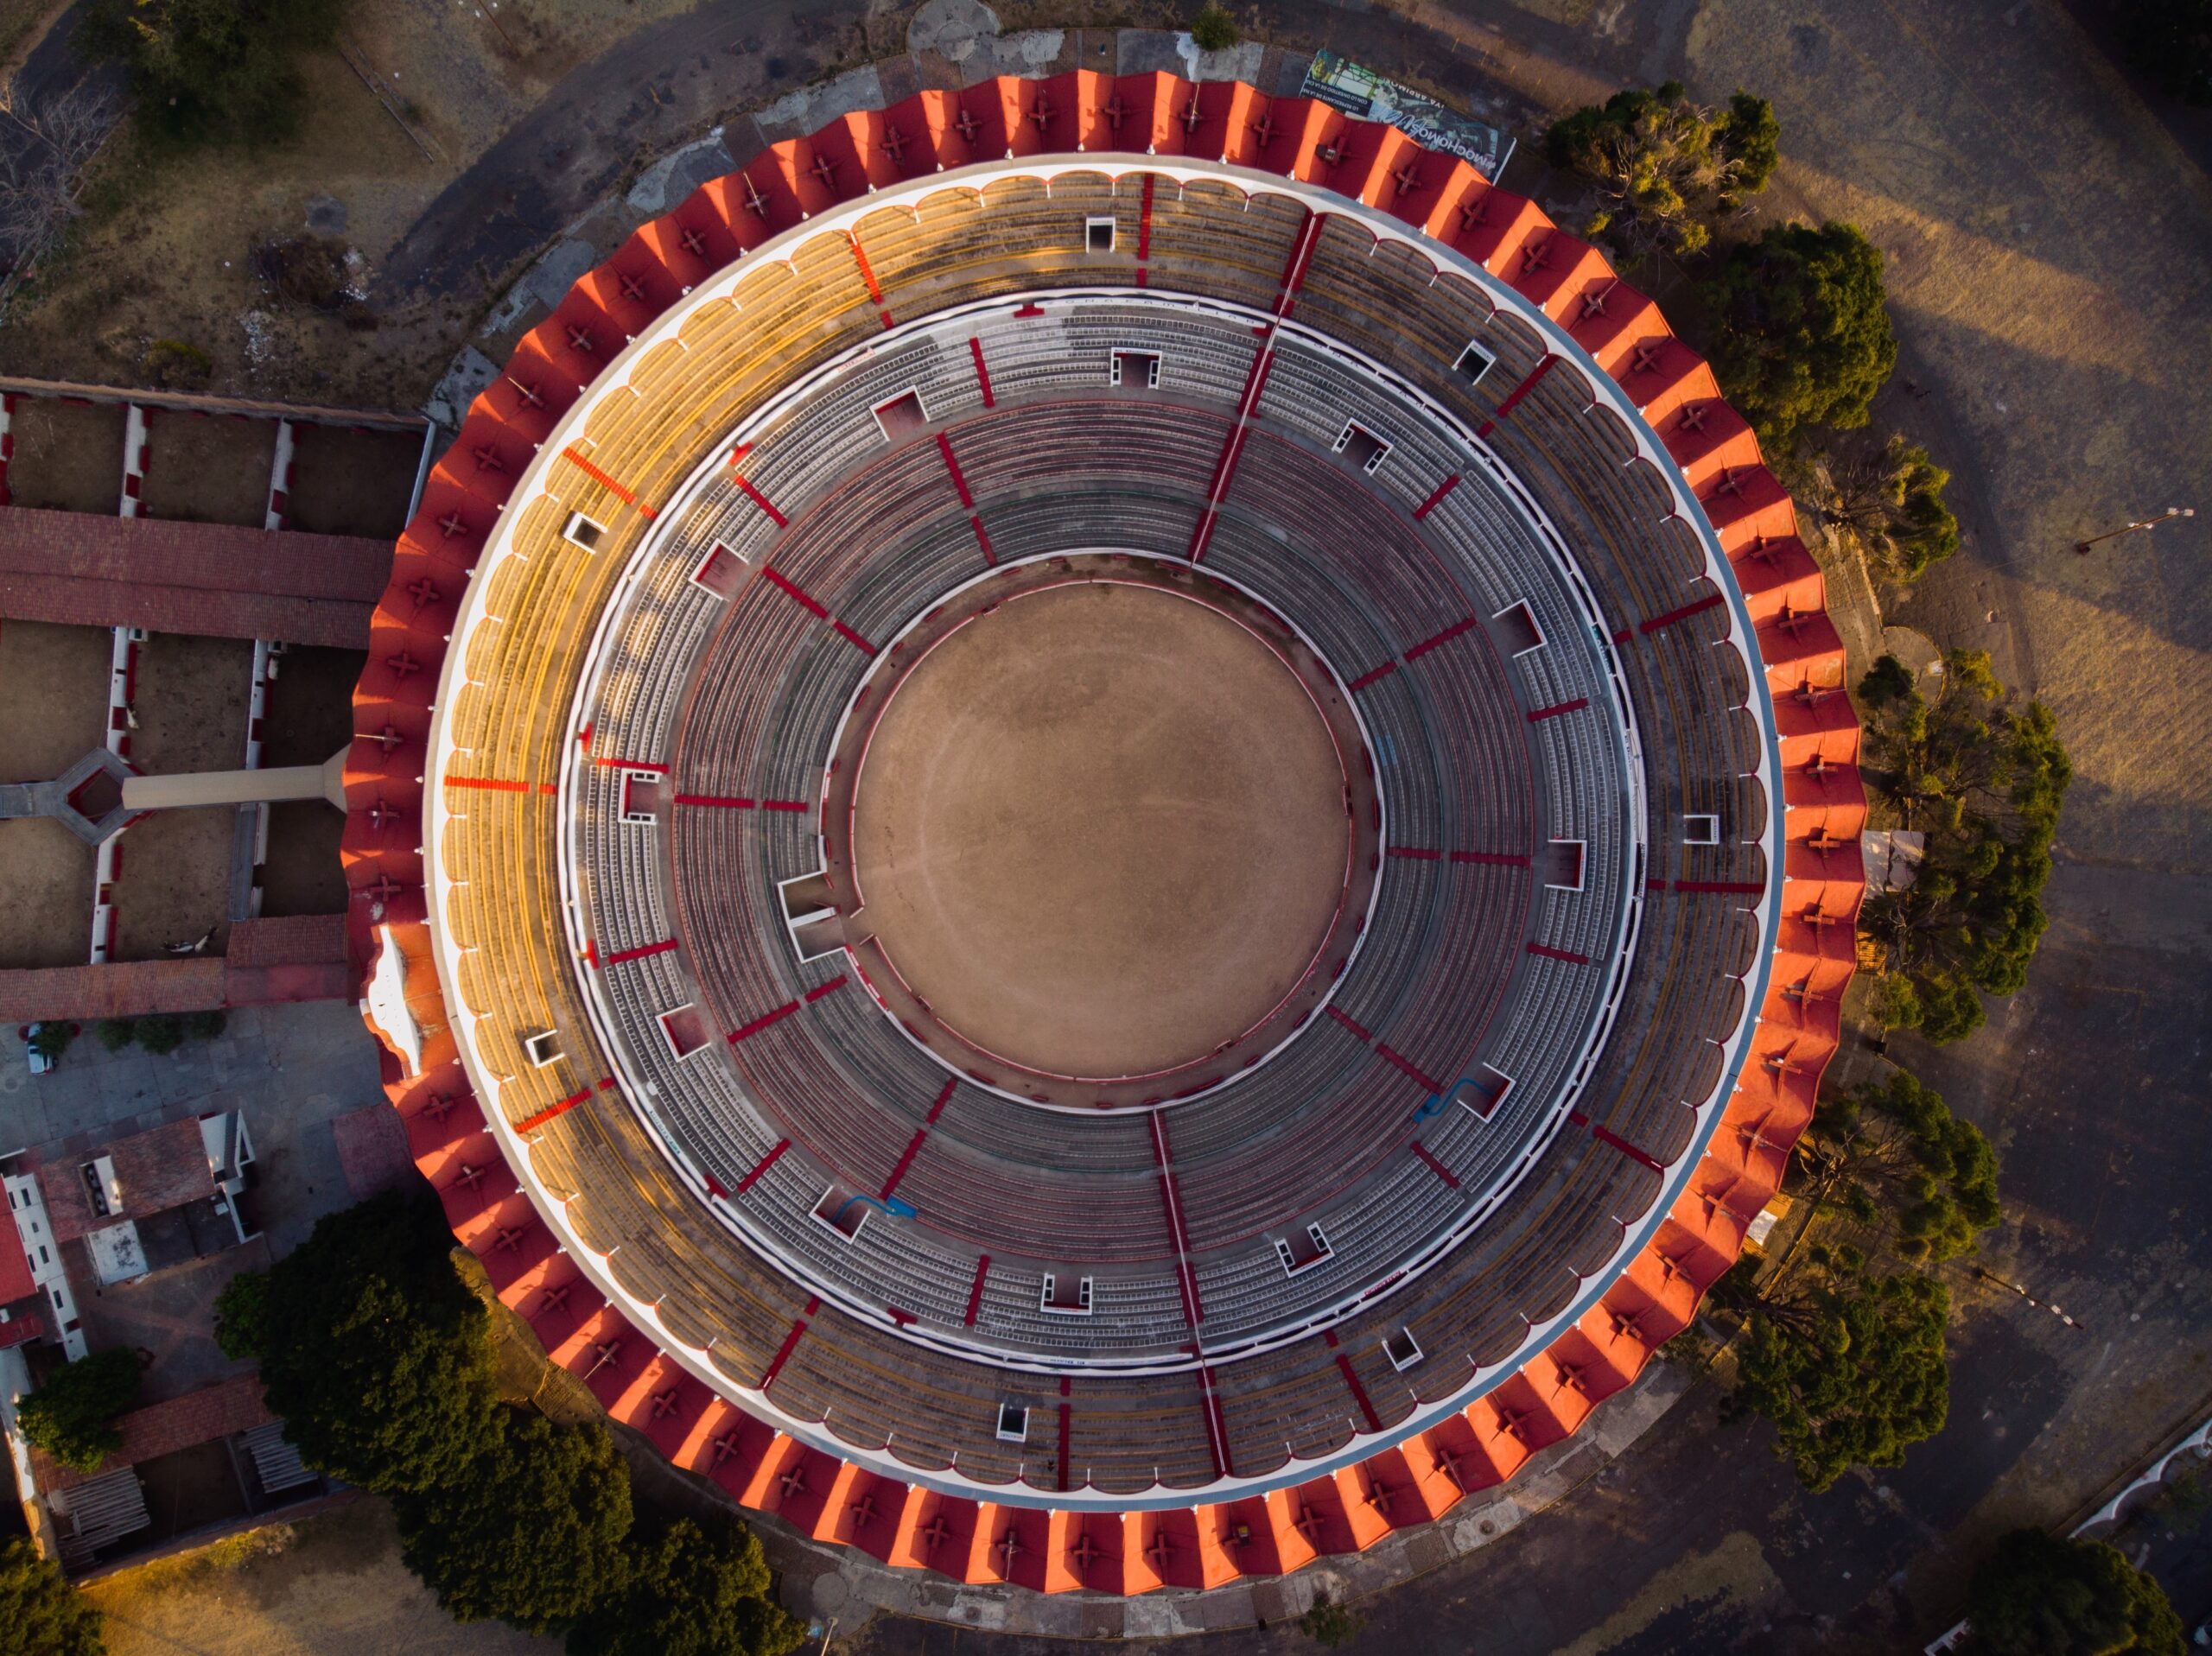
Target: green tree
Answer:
pixel 242 1316
pixel 1905 1166
pixel 50 1036
pixel 116 1033
pixel 1212 29
pixel 1986 783
pixel 1849 1367
pixel 690 1591
pixel 41 1613
pixel 1802 329
pixel 1890 506
pixel 2039 1596
pixel 1664 165
pixel 212 70
pixel 2172 41
pixel 375 1352
pixel 72 1416
pixel 530 1532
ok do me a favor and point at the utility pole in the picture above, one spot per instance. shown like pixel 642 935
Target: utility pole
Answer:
pixel 2147 525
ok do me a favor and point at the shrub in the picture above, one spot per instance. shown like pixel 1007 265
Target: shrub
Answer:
pixel 530 1532
pixel 1849 1368
pixel 242 1316
pixel 1664 165
pixel 171 363
pixel 690 1591
pixel 1213 29
pixel 50 1036
pixel 205 1026
pixel 116 1033
pixel 375 1352
pixel 2039 1596
pixel 161 1033
pixel 1802 329
pixel 1326 1623
pixel 41 1613
pixel 1986 783
pixel 1890 506
pixel 212 71
pixel 72 1416
pixel 1908 1167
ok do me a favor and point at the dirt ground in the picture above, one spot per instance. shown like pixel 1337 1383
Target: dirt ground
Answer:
pixel 310 706
pixel 208 469
pixel 303 875
pixel 175 881
pixel 47 918
pixel 191 703
pixel 352 482
pixel 68 455
pixel 1100 830
pixel 53 681
pixel 332 1584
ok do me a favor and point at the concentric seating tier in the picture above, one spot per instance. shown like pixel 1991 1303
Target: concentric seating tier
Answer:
pixel 1329 1293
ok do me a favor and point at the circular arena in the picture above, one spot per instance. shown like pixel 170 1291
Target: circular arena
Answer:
pixel 1103 832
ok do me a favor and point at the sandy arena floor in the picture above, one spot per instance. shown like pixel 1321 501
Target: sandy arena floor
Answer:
pixel 1102 830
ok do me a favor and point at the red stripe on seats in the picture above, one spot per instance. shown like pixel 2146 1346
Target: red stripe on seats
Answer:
pixel 498 784
pixel 724 802
pixel 822 989
pixel 1443 638
pixel 1066 1411
pixel 1682 614
pixel 1435 1165
pixel 1348 1023
pixel 1557 708
pixel 982 540
pixel 983 374
pixel 796 593
pixel 531 1123
pixel 1551 954
pixel 1626 1149
pixel 853 639
pixel 938 1109
pixel 791 1341
pixel 1360 1391
pixel 867 272
pixel 1417 856
pixel 959 483
pixel 1410 1068
pixel 1746 888
pixel 1216 1427
pixel 1437 498
pixel 1491 858
pixel 597 476
pixel 639 954
pixel 1513 401
pixel 1144 222
pixel 762 1166
pixel 913 1149
pixel 783 805
pixel 761 501
pixel 762 1022
pixel 976 1293
pixel 1366 679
